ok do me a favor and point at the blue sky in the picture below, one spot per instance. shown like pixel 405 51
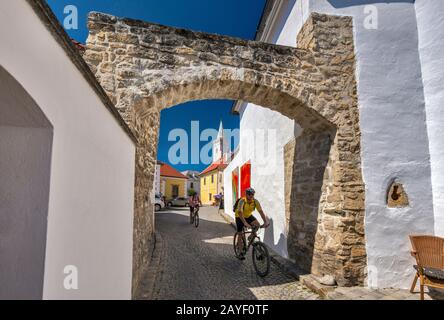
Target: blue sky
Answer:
pixel 238 18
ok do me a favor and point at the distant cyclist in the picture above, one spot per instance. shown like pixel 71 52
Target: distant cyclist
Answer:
pixel 244 213
pixel 194 201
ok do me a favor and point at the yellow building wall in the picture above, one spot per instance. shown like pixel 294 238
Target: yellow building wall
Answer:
pixel 207 187
pixel 169 182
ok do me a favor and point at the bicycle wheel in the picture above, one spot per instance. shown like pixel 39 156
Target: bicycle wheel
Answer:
pixel 261 259
pixel 196 219
pixel 239 252
pixel 191 217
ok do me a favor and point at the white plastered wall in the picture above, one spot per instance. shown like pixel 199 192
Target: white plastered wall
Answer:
pixel 394 134
pixel 263 134
pixel 429 15
pixel 393 125
pixel 90 215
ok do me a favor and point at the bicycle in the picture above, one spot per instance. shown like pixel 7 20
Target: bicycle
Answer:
pixel 261 257
pixel 194 216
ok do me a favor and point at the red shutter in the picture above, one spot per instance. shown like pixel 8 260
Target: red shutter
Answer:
pixel 245 178
pixel 235 184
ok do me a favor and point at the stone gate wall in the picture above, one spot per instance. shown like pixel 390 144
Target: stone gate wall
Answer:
pixel 146 67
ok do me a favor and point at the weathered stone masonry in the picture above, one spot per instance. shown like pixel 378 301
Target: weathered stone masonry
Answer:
pixel 145 68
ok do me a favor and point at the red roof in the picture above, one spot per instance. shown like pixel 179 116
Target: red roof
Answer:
pixel 218 165
pixel 168 171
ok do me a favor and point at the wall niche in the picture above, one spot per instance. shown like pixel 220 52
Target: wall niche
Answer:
pixel 396 196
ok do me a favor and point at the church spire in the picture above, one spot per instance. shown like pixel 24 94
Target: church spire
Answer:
pixel 220 147
pixel 220 134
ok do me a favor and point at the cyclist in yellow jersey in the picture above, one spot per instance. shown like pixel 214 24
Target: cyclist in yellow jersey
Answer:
pixel 244 213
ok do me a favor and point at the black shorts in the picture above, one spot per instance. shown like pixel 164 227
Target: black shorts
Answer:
pixel 240 224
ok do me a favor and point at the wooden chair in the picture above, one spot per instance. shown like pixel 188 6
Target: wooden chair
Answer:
pixel 429 254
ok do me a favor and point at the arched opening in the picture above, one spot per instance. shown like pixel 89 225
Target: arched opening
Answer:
pixel 304 166
pixel 263 165
pixel 25 157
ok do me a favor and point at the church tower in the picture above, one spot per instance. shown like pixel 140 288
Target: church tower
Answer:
pixel 221 149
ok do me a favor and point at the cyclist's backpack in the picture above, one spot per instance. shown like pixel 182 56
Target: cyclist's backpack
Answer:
pixel 237 201
pixel 235 204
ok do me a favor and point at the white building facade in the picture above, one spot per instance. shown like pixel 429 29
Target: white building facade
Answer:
pixel 66 166
pixel 400 71
pixel 193 182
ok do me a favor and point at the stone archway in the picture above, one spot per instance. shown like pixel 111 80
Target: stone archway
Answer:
pixel 146 67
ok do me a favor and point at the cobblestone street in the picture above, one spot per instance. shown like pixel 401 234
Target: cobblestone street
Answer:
pixel 192 263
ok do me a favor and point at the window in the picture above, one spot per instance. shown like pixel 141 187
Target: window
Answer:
pixel 220 177
pixel 175 190
pixel 209 197
pixel 192 185
pixel 212 178
pixel 205 180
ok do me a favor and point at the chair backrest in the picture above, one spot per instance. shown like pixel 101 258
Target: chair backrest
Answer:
pixel 429 250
